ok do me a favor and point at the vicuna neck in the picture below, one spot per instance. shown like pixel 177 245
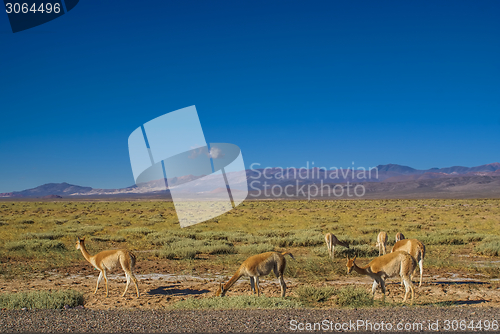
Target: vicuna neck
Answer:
pixel 233 280
pixel 360 270
pixel 85 253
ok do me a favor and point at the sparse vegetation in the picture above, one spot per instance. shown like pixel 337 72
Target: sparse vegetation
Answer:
pixel 489 247
pixel 350 296
pixel 40 236
pixel 35 245
pixel 309 294
pixel 237 302
pixel 41 299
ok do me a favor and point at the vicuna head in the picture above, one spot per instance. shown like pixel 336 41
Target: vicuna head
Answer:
pixel 220 291
pixel 350 264
pixel 80 242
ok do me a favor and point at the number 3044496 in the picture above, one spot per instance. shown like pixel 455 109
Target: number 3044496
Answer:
pixel 26 8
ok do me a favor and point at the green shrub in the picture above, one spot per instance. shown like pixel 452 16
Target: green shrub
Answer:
pixel 217 247
pixel 210 236
pixel 106 238
pixel 353 297
pixel 76 230
pixel 182 249
pixel 443 239
pixel 311 294
pixel 301 238
pixel 123 223
pixel 489 247
pixel 41 299
pixel 136 231
pixel 274 233
pixel 35 245
pixel 314 267
pixel 180 254
pixel 474 237
pixel 160 239
pixel 369 230
pixel 237 237
pixel 360 240
pixel 358 250
pixel 185 234
pixel 47 235
pixel 254 248
pixel 237 302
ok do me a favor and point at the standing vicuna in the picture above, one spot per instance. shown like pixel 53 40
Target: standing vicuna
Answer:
pixel 416 249
pixel 109 259
pixel 399 236
pixel 381 243
pixel 256 266
pixel 394 264
pixel 331 242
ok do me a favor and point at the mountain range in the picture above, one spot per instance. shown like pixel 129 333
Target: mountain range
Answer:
pixel 383 181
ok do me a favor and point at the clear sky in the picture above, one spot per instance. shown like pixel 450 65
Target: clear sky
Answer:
pixel 415 83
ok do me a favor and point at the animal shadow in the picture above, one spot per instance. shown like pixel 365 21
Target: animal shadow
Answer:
pixel 456 302
pixel 459 282
pixel 171 290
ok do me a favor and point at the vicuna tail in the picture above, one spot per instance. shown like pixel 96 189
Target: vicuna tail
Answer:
pixel 132 260
pixel 421 246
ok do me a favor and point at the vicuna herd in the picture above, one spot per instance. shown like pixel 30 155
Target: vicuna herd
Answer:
pixel 401 261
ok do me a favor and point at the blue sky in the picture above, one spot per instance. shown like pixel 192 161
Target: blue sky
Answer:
pixel 374 82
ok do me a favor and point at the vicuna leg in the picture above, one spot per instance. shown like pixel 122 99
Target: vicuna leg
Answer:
pixel 421 265
pixel 329 245
pixel 408 288
pixel 98 281
pixel 374 287
pixel 257 285
pixel 283 286
pixel 126 286
pixel 252 284
pixel 135 283
pixel 382 286
pixel 105 280
pixel 130 276
pixel 127 263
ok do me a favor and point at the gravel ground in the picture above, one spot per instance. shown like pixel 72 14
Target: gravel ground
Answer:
pixel 240 321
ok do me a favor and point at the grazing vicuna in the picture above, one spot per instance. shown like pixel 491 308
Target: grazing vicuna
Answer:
pixel 394 264
pixel 381 243
pixel 416 249
pixel 257 266
pixel 331 242
pixel 109 259
pixel 399 236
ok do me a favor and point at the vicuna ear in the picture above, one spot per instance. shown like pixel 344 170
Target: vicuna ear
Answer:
pixel 354 258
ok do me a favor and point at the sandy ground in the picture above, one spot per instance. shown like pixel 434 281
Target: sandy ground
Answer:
pixel 159 288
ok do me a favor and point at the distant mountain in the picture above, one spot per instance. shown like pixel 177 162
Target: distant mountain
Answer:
pixel 392 178
pixel 59 189
pixel 398 169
